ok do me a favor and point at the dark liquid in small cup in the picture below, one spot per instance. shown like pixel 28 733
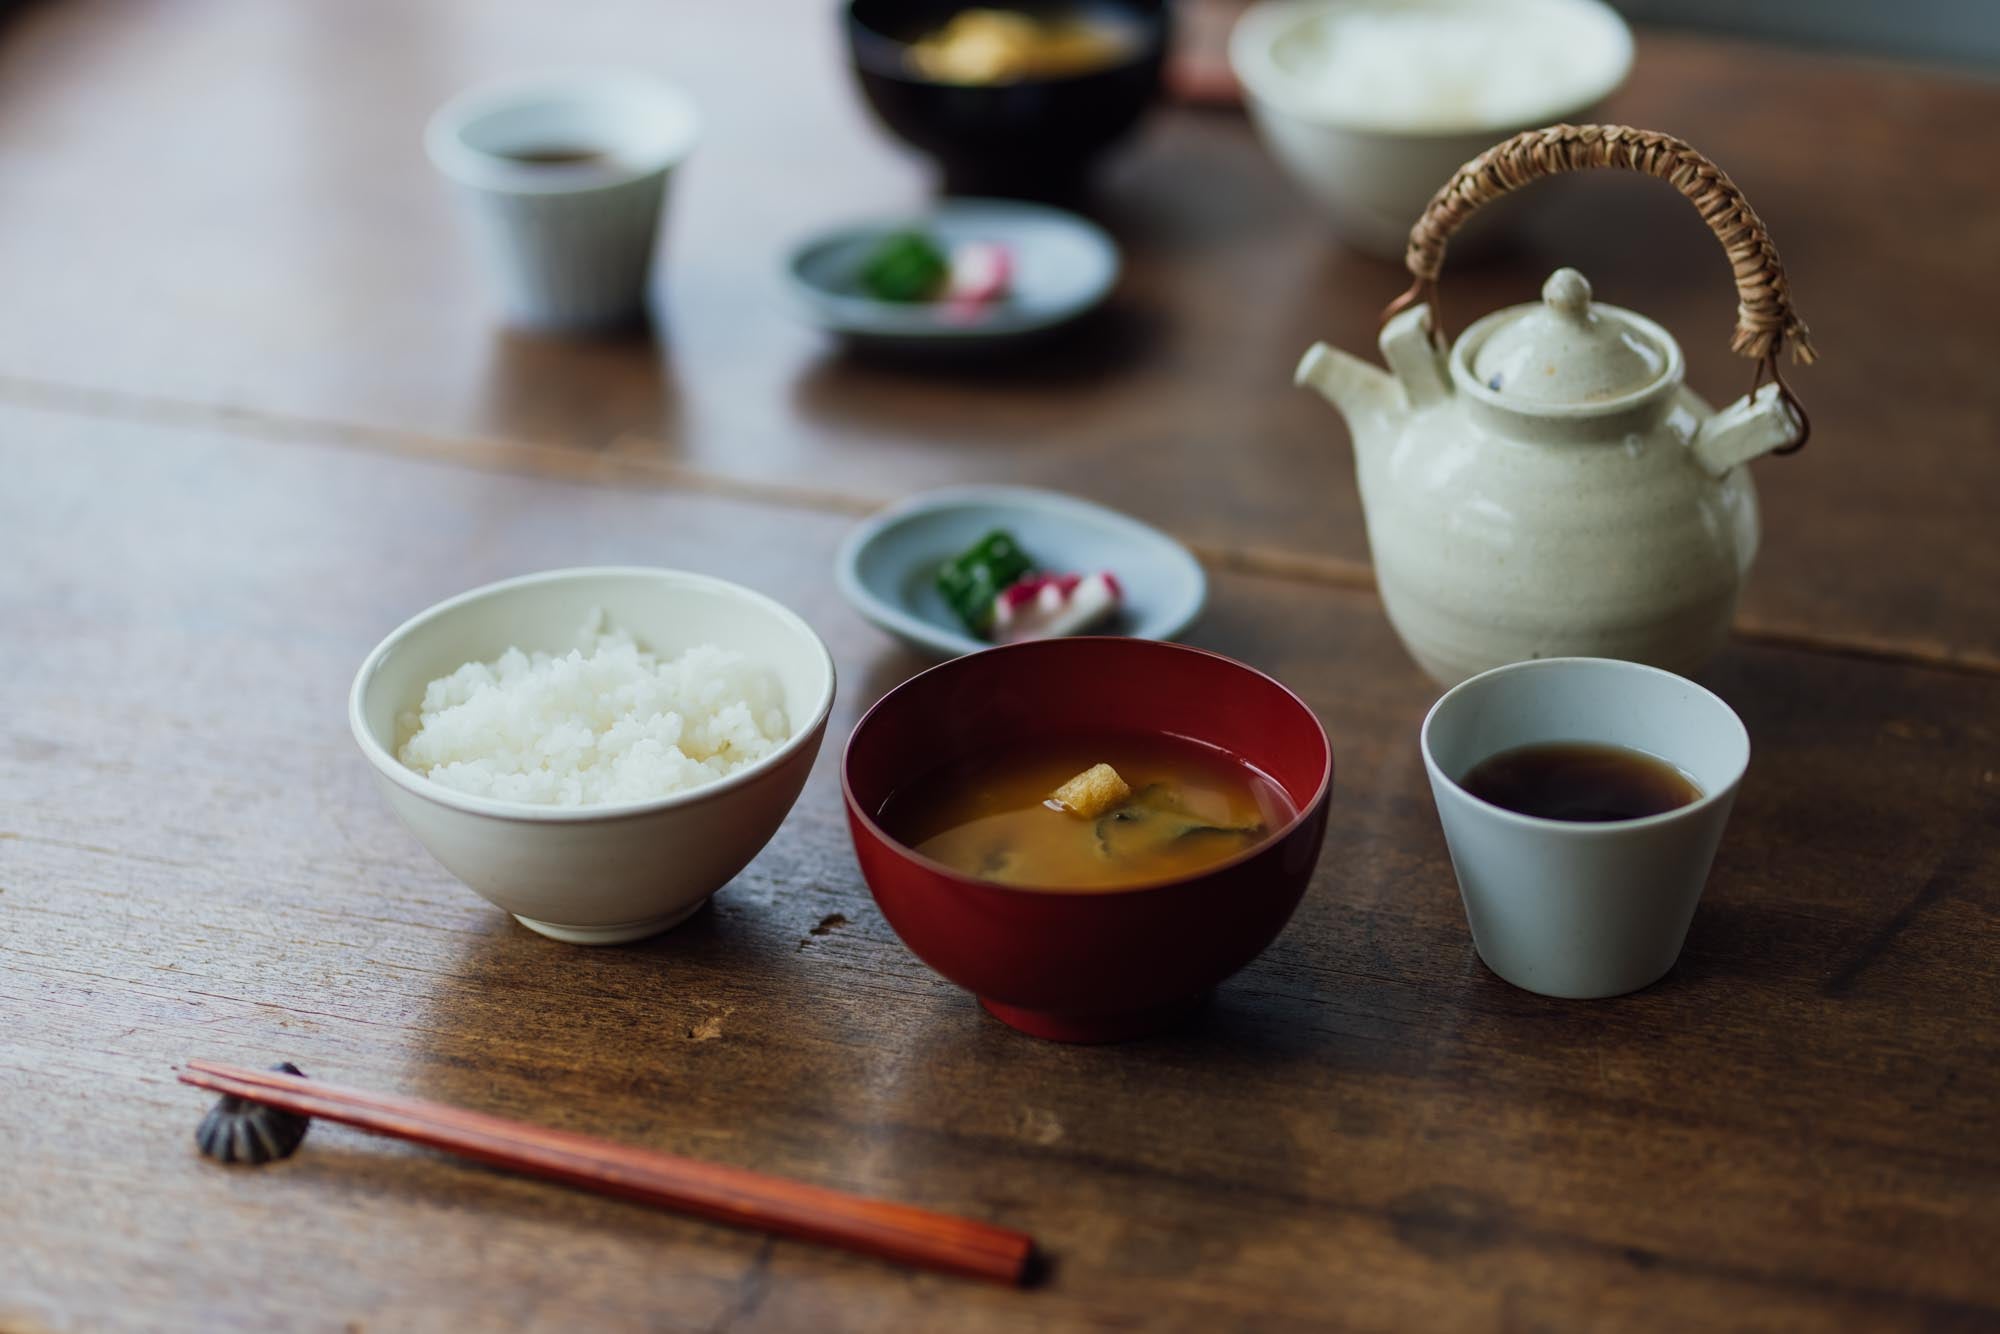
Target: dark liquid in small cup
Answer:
pixel 1570 780
pixel 556 156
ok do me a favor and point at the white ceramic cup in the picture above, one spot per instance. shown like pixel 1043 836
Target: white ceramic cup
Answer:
pixel 568 246
pixel 1570 909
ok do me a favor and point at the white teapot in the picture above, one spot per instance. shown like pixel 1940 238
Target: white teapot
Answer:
pixel 1548 487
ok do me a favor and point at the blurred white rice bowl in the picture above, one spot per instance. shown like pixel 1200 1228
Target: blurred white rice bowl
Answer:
pixel 1370 105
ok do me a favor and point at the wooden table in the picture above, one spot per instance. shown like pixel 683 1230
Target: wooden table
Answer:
pixel 253 413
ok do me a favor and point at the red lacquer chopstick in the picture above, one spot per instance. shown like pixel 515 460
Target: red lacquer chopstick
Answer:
pixel 898 1232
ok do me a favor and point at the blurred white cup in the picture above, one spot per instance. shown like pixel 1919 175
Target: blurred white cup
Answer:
pixel 563 179
pixel 1573 909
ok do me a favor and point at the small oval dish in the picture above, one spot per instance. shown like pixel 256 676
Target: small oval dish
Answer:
pixel 608 873
pixel 887 568
pixel 1061 266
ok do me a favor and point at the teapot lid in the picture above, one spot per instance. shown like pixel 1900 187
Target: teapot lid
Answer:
pixel 1567 350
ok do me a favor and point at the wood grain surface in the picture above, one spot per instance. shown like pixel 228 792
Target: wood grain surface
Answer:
pixel 1366 1130
pixel 254 412
pixel 203 213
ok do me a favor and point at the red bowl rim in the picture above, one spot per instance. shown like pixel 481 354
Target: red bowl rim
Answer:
pixel 961 880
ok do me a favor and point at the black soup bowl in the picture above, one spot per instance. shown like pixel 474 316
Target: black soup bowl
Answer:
pixel 1032 137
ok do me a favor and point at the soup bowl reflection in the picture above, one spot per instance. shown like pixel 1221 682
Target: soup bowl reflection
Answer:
pixel 1088 965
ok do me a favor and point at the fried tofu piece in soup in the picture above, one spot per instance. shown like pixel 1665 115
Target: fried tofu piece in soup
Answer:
pixel 1093 792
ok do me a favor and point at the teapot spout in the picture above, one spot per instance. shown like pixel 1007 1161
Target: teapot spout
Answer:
pixel 1753 425
pixel 1360 391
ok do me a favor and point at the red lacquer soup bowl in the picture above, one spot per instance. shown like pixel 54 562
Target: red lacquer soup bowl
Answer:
pixel 1090 965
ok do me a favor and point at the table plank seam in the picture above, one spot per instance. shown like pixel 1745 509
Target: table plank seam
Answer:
pixel 618 463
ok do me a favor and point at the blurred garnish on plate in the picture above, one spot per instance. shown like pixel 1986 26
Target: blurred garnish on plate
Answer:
pixel 906 266
pixel 999 594
pixel 910 266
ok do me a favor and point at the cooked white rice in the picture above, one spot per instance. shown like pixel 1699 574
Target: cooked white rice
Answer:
pixel 607 722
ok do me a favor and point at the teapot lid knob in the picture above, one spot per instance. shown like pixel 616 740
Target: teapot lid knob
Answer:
pixel 1565 350
pixel 1567 292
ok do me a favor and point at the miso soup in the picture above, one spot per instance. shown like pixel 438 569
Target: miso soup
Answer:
pixel 1172 807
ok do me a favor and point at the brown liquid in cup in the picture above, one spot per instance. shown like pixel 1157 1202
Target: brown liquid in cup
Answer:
pixel 1570 780
pixel 555 156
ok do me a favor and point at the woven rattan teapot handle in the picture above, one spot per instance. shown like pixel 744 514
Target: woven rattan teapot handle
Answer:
pixel 1765 320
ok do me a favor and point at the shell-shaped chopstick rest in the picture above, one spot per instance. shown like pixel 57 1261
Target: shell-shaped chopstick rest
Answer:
pixel 238 1131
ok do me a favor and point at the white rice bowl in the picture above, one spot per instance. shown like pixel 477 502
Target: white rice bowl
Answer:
pixel 606 723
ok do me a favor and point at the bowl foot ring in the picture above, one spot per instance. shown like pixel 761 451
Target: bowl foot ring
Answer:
pixel 1121 1027
pixel 623 933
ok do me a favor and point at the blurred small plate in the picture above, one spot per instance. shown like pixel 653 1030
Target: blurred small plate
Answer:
pixel 1063 267
pixel 888 565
